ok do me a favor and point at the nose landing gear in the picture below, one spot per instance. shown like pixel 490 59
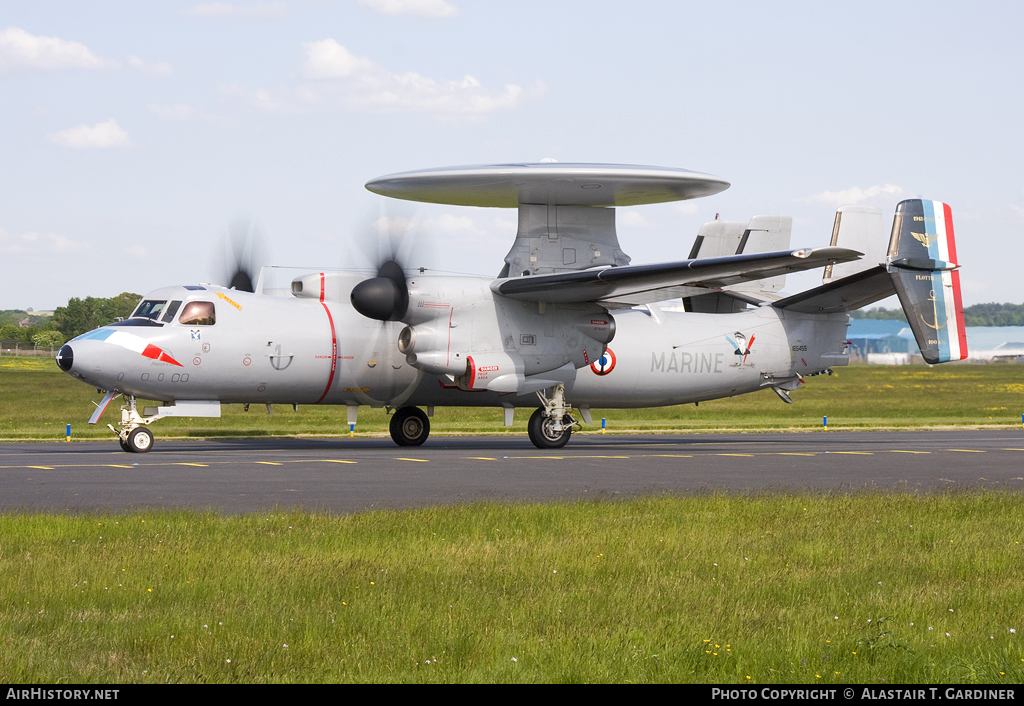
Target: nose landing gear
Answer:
pixel 133 436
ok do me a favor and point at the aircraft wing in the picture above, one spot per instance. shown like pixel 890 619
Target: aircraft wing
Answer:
pixel 641 284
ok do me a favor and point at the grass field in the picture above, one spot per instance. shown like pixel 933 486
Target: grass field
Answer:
pixel 865 588
pixel 37 401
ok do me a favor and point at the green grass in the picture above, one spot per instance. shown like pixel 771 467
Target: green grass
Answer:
pixel 37 401
pixel 857 588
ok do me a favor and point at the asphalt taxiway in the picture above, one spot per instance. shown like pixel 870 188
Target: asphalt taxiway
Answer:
pixel 345 475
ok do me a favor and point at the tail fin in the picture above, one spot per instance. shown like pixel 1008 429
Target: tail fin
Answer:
pixel 923 266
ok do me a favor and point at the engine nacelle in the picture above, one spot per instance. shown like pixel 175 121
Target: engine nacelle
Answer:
pixel 600 327
pixel 497 371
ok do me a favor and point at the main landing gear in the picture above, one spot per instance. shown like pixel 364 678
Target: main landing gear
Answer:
pixel 551 426
pixel 409 426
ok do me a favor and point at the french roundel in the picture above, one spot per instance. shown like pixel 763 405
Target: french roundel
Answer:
pixel 605 364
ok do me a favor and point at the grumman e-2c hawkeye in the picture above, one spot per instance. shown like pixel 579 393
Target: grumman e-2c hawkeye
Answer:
pixel 567 324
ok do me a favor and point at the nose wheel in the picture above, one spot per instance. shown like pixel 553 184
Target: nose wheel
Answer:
pixel 139 441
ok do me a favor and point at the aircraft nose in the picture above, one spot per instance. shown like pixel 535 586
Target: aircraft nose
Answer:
pixel 65 358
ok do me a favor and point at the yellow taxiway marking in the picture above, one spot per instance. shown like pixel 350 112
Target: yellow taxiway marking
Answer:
pixel 116 465
pixel 482 458
pixel 901 451
pixel 1013 449
pixel 270 463
pixel 968 451
pixel 794 453
pixel 333 460
pixel 45 468
pixel 200 465
pixel 417 460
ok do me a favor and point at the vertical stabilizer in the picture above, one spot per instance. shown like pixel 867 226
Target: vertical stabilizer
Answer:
pixel 860 228
pixel 923 266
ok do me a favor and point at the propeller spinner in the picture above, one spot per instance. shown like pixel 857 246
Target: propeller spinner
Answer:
pixel 384 297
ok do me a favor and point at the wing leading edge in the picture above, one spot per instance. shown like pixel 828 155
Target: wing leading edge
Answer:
pixel 642 284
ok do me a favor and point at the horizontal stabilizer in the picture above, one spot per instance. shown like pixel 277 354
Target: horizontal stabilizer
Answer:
pixel 847 294
pixel 640 284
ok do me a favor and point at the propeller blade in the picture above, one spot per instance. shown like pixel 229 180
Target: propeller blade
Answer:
pixel 395 243
pixel 244 251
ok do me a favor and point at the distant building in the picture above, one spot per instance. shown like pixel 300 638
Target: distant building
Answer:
pixel 892 343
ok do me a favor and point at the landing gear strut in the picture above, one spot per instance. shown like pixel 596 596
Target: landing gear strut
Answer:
pixel 409 426
pixel 550 426
pixel 132 434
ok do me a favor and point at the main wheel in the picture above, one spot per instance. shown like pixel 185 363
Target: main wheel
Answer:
pixel 409 426
pixel 140 440
pixel 124 445
pixel 543 434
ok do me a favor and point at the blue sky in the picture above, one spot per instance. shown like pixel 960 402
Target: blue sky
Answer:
pixel 130 133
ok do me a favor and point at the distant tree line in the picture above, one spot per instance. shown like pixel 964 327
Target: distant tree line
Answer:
pixel 976 315
pixel 79 316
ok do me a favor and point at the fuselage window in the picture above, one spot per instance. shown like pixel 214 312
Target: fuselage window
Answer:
pixel 149 309
pixel 198 314
pixel 172 309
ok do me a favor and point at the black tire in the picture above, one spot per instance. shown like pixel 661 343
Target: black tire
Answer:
pixel 409 426
pixel 124 445
pixel 140 440
pixel 543 436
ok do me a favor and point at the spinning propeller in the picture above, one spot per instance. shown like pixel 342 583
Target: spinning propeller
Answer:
pixel 386 296
pixel 241 254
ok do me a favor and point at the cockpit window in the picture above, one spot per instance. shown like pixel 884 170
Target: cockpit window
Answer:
pixel 172 309
pixel 198 314
pixel 149 309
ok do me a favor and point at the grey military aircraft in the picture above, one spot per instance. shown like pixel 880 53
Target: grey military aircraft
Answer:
pixel 568 324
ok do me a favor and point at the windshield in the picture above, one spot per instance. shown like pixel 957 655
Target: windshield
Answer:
pixel 149 309
pixel 198 314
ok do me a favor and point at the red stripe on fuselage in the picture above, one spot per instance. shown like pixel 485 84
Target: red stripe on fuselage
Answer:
pixel 157 353
pixel 334 341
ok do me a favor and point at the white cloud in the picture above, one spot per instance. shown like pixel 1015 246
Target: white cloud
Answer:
pixel 37 244
pixel 101 136
pixel 21 51
pixel 854 195
pixel 433 9
pixel 159 69
pixel 690 208
pixel 263 11
pixel 347 80
pixel 328 59
pixel 630 218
